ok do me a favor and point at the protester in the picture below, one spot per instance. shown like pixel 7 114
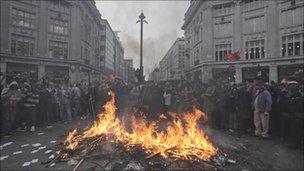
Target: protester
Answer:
pixel 29 101
pixel 75 100
pixel 243 106
pixel 65 113
pixel 167 99
pixel 262 109
pixel 9 97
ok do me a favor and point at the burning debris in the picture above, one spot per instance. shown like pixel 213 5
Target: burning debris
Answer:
pixel 182 141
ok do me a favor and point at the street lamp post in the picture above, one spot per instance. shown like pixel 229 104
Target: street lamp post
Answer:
pixel 142 20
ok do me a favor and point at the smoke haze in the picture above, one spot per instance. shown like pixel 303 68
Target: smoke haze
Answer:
pixel 165 19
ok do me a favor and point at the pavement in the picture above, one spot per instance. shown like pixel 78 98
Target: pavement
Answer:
pixel 26 150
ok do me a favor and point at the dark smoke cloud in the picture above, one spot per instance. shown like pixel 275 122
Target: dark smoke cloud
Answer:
pixel 165 19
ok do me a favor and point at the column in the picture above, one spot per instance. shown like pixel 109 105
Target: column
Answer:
pixel 41 70
pixel 273 48
pixel 237 28
pixel 273 72
pixel 3 71
pixel 206 73
pixel 74 74
pixel 238 74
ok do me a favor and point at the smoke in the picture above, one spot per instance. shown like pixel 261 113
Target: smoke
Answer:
pixel 165 19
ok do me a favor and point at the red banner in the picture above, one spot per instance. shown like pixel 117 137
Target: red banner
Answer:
pixel 233 56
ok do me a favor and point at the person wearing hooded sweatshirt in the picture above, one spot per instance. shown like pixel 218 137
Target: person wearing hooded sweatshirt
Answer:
pixel 10 97
pixel 29 101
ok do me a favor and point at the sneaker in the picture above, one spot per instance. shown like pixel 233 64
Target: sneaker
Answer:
pixel 265 136
pixel 23 129
pixel 32 128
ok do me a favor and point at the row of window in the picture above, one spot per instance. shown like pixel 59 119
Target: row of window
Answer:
pixel 255 49
pixel 23 18
pixel 60 6
pixel 292 17
pixel 58 50
pixel 221 50
pixel 59 26
pixel 254 24
pixel 291 45
pixel 22 45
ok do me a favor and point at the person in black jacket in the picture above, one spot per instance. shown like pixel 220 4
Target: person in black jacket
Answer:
pixel 30 101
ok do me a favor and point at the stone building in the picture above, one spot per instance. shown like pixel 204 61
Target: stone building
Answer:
pixel 154 75
pixel 129 71
pixel 118 57
pixel 107 48
pixel 268 34
pixel 172 65
pixel 59 39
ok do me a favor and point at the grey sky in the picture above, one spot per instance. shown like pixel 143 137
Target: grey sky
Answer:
pixel 165 19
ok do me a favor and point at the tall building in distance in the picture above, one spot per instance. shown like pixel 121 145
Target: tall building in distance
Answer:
pixel 172 65
pixel 268 34
pixel 108 39
pixel 129 71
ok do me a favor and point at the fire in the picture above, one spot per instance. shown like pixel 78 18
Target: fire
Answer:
pixel 181 139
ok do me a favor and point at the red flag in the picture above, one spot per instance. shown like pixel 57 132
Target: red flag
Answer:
pixel 228 57
pixel 233 56
pixel 237 55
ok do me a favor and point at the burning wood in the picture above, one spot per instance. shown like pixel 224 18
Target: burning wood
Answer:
pixel 181 140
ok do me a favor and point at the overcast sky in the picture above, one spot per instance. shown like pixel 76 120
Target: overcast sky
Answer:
pixel 165 19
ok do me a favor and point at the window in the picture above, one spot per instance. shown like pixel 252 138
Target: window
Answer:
pixel 23 18
pixel 255 49
pixel 58 50
pixel 254 24
pixel 60 6
pixel 58 26
pixel 291 17
pixel 222 9
pixel 291 45
pixel 253 4
pixel 223 29
pixel 221 50
pixel 22 45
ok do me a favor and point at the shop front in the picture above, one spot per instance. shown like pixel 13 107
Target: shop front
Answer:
pixel 226 75
pixel 291 72
pixel 250 73
pixel 56 74
pixel 21 73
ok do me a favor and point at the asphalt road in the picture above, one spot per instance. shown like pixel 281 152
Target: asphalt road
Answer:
pixel 45 136
pixel 249 152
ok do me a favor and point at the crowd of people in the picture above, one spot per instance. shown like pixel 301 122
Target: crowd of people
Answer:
pixel 252 107
pixel 25 106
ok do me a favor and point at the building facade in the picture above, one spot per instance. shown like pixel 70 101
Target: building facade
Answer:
pixel 118 57
pixel 268 34
pixel 172 65
pixel 129 71
pixel 55 38
pixel 107 48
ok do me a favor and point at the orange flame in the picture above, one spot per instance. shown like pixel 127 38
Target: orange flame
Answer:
pixel 181 139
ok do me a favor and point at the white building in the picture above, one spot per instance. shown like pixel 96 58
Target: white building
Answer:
pixel 269 35
pixel 107 48
pixel 172 65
